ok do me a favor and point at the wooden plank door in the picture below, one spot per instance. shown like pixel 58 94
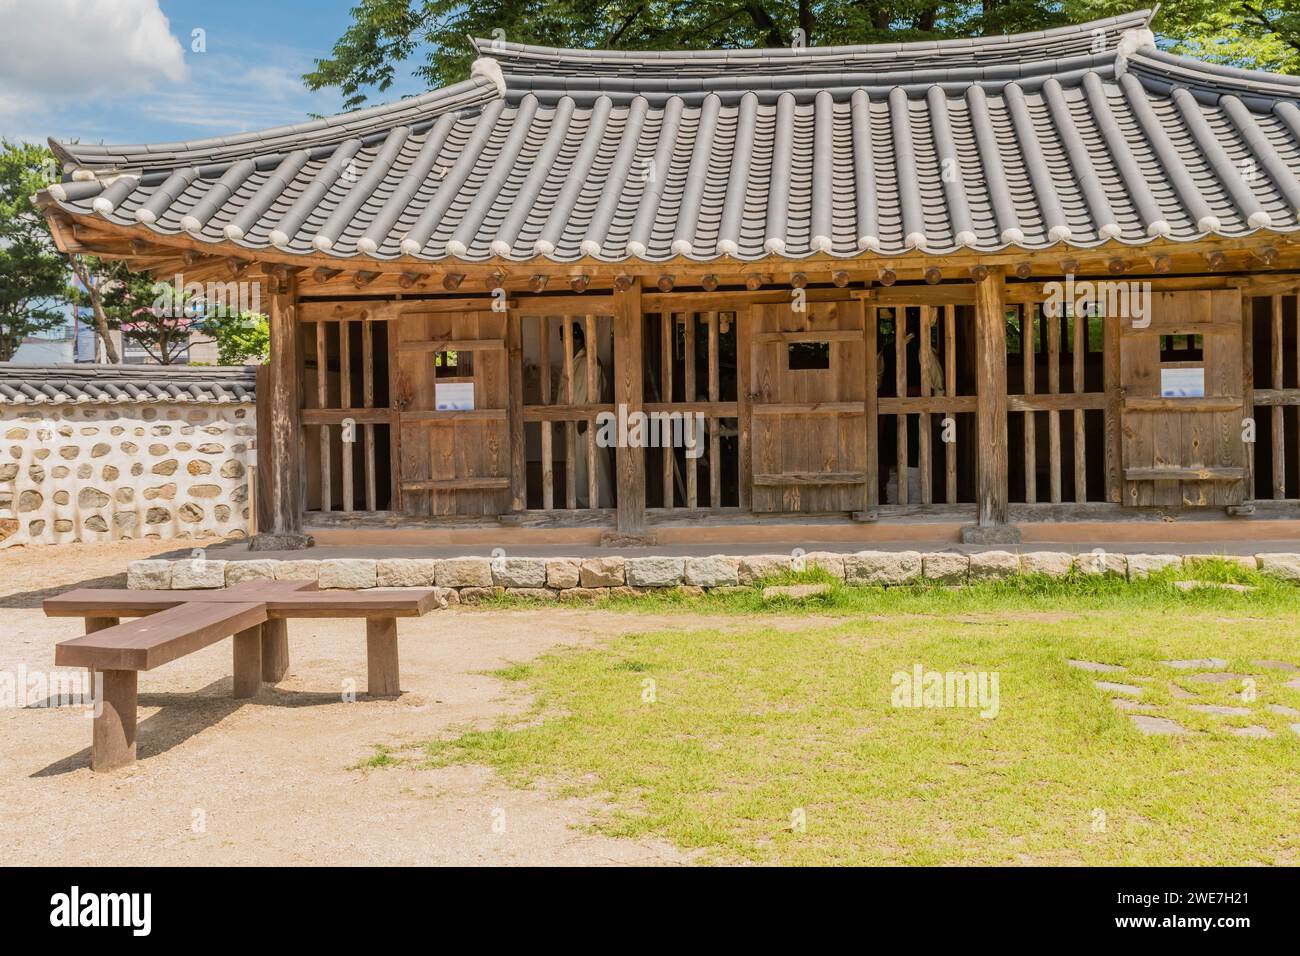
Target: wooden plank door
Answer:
pixel 807 396
pixel 1183 450
pixel 453 462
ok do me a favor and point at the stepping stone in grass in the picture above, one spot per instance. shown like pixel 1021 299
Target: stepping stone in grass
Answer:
pixel 1284 710
pixel 1196 662
pixel 1296 728
pixel 795 592
pixel 1252 731
pixel 1094 666
pixel 1220 709
pixel 1214 585
pixel 1117 688
pixel 1219 678
pixel 1293 684
pixel 1157 725
pixel 1277 665
pixel 1123 703
pixel 1177 693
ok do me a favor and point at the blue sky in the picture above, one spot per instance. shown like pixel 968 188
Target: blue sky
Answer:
pixel 125 71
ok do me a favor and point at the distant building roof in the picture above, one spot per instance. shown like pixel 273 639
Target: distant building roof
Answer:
pixel 1074 136
pixel 124 384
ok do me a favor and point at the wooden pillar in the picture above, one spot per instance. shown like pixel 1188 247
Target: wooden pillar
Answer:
pixel 381 657
pixel 515 409
pixel 280 448
pixel 275 650
pixel 628 391
pixel 991 410
pixel 113 735
pixel 248 663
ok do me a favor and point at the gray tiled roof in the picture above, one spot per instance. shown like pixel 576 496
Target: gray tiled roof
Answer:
pixel 125 384
pixel 1071 136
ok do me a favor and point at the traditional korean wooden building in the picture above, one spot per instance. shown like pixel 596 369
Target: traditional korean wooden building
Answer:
pixel 845 259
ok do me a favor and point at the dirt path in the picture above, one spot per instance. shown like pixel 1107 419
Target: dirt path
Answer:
pixel 271 781
pixel 275 780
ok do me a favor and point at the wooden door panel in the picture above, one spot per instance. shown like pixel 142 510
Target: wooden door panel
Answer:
pixel 808 441
pixel 1184 451
pixel 453 463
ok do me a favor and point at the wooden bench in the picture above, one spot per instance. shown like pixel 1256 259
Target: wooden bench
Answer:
pixel 171 624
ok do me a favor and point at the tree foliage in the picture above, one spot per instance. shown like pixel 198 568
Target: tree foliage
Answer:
pixel 428 37
pixel 33 273
pixel 240 338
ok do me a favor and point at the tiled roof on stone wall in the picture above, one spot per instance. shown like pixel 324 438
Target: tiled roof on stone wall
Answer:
pixel 125 384
pixel 1073 136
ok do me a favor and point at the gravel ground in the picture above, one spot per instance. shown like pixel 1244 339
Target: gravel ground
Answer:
pixel 275 780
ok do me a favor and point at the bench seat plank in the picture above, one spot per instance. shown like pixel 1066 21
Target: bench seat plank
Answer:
pixel 151 641
pixel 122 602
pixel 370 604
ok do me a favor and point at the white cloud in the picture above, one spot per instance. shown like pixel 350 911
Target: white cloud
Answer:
pixel 86 48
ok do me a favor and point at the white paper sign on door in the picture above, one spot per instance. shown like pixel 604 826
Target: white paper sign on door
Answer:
pixel 453 396
pixel 1182 383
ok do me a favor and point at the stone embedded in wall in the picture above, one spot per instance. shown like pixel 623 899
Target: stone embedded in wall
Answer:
pixel 882 567
pixel 1141 565
pixel 157 516
pixel 167 467
pixel 655 572
pixel 30 501
pixel 61 497
pixel 993 565
pixel 165 492
pixel 465 572
pixel 1284 566
pixel 1053 564
pixel 190 512
pixel 199 467
pixel 755 567
pixel 198 573
pixel 205 491
pixel 92 498
pixel 1102 563
pixel 149 575
pixel 714 571
pixel 601 572
pixel 348 573
pixel 519 572
pixel 100 449
pixel 301 570
pixel 8 471
pixel 945 567
pixel 95 523
pixel 407 572
pixel 562 573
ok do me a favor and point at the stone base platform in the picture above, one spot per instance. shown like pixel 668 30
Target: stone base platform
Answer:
pixel 572 578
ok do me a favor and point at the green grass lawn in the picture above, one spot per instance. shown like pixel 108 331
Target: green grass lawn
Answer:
pixel 782 744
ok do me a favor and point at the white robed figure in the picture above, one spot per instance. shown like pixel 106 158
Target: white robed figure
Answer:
pixel 581 397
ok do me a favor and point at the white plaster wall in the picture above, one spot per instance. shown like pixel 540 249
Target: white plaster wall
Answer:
pixel 106 472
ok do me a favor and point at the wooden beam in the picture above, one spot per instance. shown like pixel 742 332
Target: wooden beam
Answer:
pixel 991 400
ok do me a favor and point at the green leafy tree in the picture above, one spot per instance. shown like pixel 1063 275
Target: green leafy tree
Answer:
pixel 240 338
pixel 428 36
pixel 33 273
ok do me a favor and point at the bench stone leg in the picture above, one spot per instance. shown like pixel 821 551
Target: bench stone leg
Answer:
pixel 248 663
pixel 94 624
pixel 113 736
pixel 275 650
pixel 381 657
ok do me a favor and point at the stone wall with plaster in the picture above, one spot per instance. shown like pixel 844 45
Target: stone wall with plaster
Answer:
pixel 97 471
